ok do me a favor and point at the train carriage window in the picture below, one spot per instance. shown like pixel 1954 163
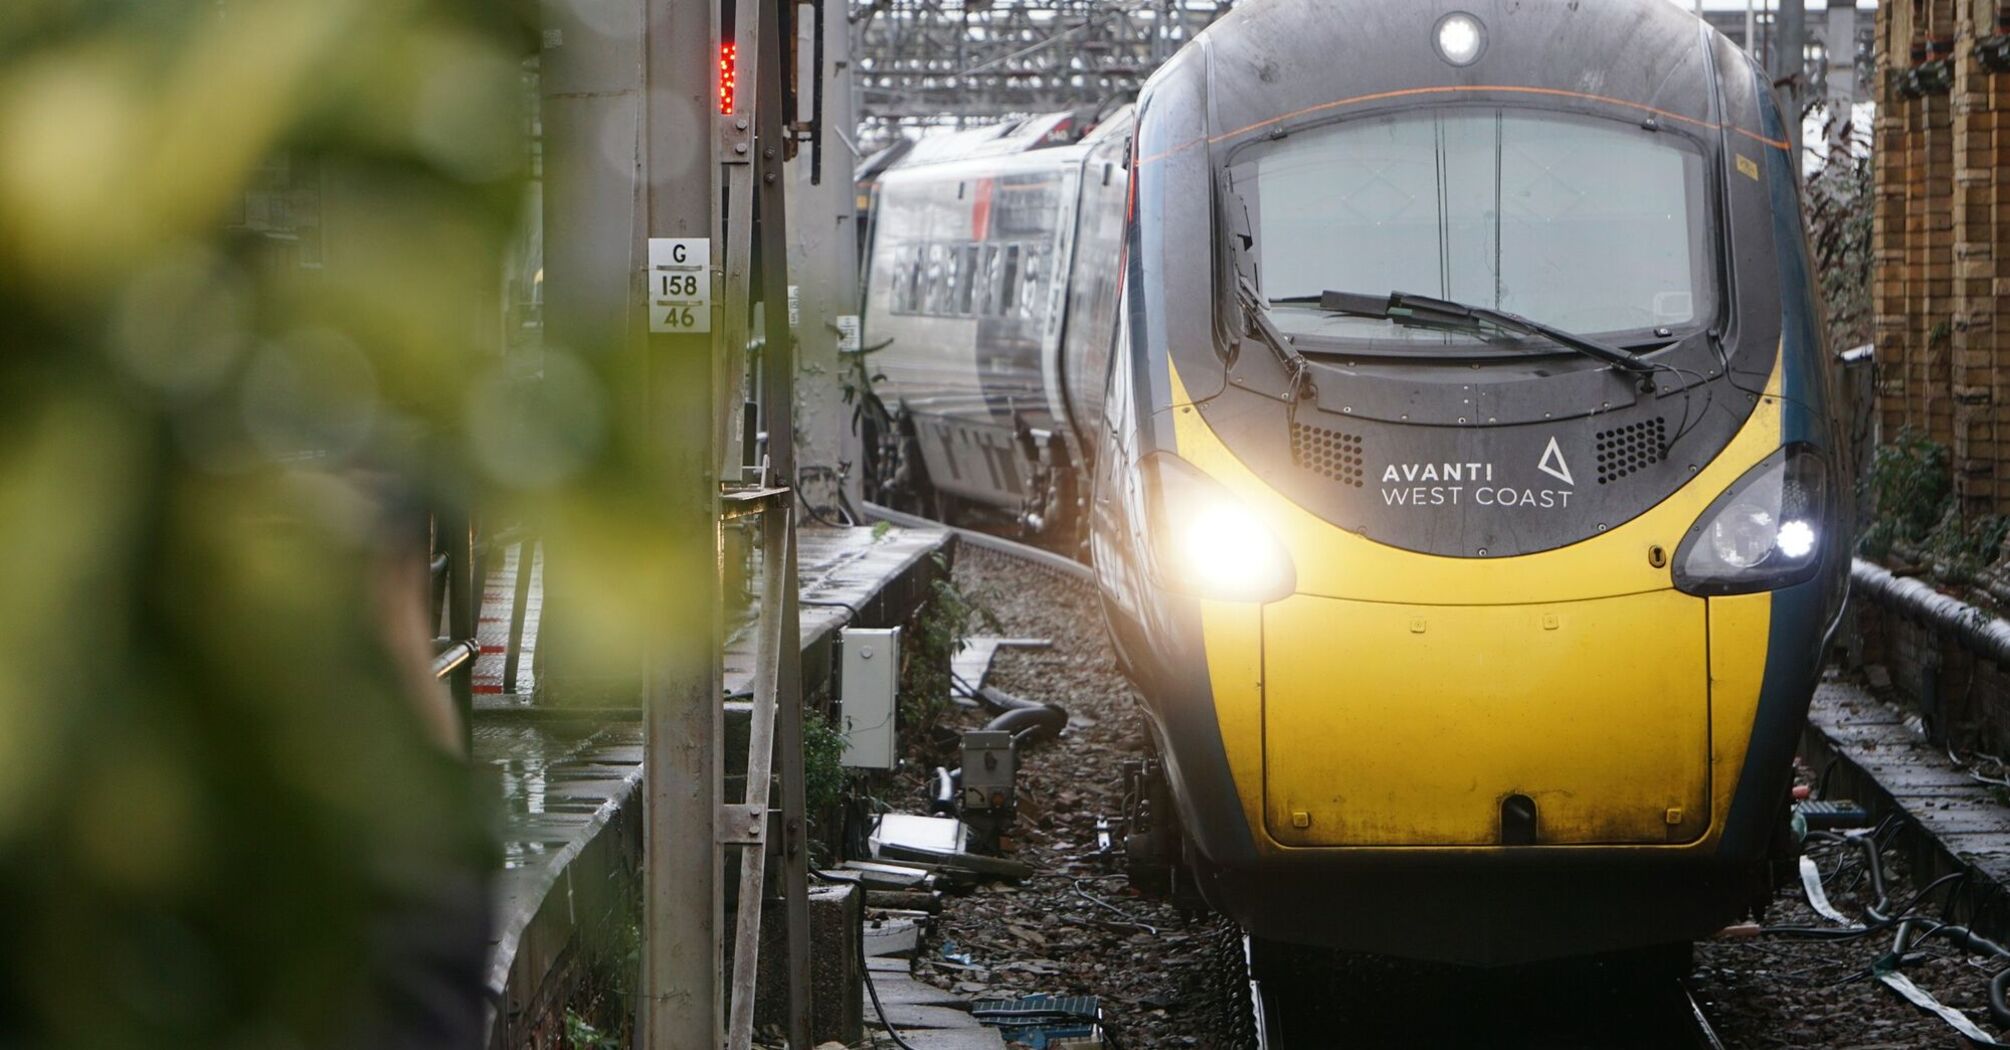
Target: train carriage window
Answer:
pixel 901 290
pixel 935 280
pixel 1592 225
pixel 968 273
pixel 1008 292
pixel 987 285
pixel 953 291
pixel 1032 274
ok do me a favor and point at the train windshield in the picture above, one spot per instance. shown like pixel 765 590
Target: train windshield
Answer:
pixel 1591 225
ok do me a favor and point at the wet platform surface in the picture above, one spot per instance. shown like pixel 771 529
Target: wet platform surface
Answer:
pixel 1879 755
pixel 927 1017
pixel 571 789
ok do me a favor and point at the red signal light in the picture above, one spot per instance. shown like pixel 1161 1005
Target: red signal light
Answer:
pixel 729 60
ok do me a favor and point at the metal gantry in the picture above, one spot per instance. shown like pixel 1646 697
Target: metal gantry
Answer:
pixel 925 64
pixel 935 63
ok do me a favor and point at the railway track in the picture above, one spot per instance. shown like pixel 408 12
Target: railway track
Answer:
pixel 1688 1027
pixel 1296 1005
pixel 1702 1034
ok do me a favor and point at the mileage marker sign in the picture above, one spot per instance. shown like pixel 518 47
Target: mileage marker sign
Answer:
pixel 680 285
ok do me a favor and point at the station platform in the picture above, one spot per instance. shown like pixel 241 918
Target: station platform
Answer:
pixel 571 787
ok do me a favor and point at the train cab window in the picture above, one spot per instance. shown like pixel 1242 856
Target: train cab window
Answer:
pixel 1596 226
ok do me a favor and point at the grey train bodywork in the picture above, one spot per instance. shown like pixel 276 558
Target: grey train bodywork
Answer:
pixel 990 295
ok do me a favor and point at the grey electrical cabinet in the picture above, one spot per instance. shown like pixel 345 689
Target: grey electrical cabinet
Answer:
pixel 868 690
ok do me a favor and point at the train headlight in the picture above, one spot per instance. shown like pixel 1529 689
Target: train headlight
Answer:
pixel 1461 38
pixel 1207 543
pixel 1763 533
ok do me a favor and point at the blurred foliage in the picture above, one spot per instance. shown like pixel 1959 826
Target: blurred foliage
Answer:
pixel 249 265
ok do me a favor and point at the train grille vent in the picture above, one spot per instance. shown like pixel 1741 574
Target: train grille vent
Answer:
pixel 1634 447
pixel 1329 453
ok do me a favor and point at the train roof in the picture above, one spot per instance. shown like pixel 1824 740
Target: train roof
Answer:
pixel 876 163
pixel 987 163
pixel 1048 131
pixel 1275 62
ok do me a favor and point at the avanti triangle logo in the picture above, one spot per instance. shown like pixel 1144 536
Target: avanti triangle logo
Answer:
pixel 1553 465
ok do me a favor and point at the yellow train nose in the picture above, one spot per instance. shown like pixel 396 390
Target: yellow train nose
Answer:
pixel 1414 726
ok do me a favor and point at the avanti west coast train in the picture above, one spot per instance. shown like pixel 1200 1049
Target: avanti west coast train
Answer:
pixel 1462 488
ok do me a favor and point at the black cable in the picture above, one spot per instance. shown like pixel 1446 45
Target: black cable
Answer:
pixel 851 512
pixel 1967 939
pixel 1882 923
pixel 856 615
pixel 872 990
pixel 817 515
pixel 1725 357
pixel 1920 897
pixel 821 515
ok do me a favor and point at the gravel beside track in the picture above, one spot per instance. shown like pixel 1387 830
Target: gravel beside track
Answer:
pixel 1774 992
pixel 1075 928
pixel 1173 980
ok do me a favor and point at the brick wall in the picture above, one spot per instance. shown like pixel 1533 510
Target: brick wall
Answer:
pixel 1941 237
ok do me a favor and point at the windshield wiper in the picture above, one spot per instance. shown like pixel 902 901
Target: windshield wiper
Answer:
pixel 1261 326
pixel 1411 309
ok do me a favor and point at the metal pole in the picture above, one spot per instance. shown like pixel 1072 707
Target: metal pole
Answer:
pixel 1791 64
pixel 778 415
pixel 683 709
pixel 519 612
pixel 823 262
pixel 1751 30
pixel 1841 39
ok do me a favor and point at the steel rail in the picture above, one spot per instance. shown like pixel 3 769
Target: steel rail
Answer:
pixel 1260 1020
pixel 1046 559
pixel 1695 1025
pixel 1702 1033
